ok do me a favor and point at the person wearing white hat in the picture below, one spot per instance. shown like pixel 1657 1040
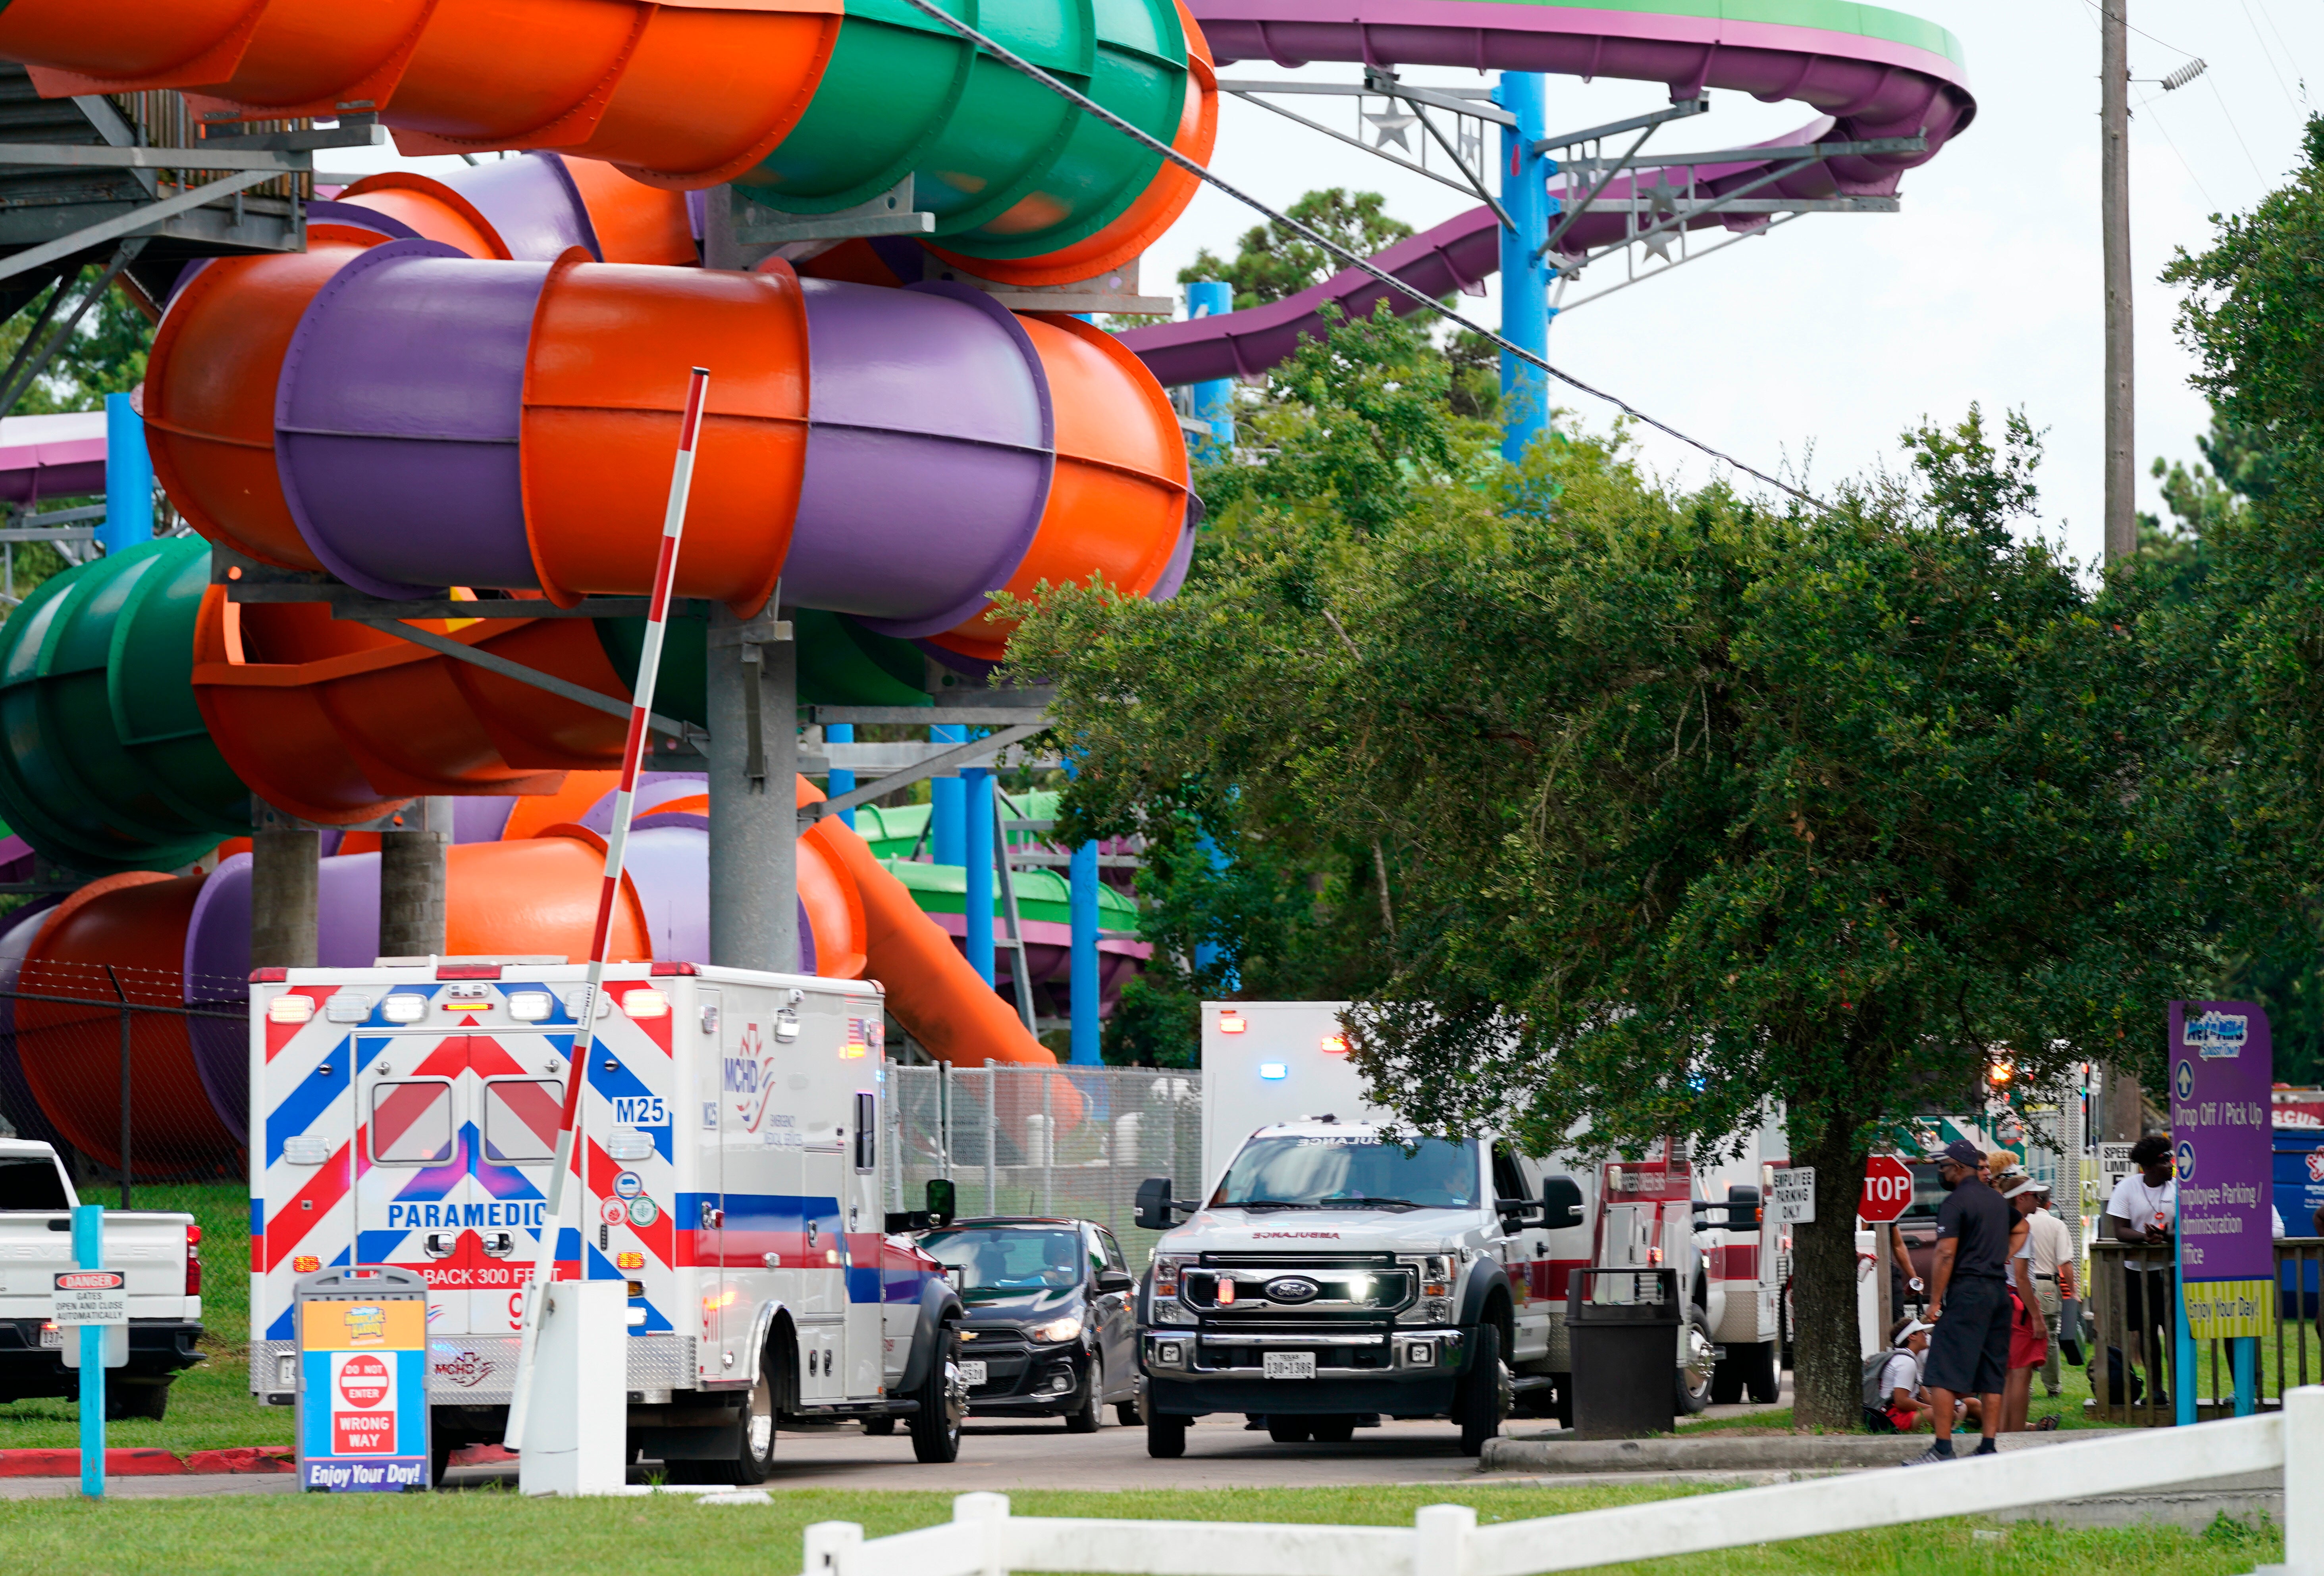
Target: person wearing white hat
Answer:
pixel 1900 1377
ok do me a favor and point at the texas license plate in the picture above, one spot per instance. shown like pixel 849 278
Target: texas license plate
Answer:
pixel 52 1337
pixel 971 1374
pixel 1290 1365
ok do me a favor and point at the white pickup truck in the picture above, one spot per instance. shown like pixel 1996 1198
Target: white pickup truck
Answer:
pixel 160 1251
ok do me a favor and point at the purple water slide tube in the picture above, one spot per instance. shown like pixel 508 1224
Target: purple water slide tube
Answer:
pixel 218 963
pixel 18 931
pixel 1899 78
pixel 51 456
pixel 398 419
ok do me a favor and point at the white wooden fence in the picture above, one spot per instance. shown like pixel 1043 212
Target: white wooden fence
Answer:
pixel 983 1539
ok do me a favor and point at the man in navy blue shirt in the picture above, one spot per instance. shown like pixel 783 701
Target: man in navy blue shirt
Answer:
pixel 1968 1301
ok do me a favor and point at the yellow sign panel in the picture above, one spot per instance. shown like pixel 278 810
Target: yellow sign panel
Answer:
pixel 364 1324
pixel 2223 1310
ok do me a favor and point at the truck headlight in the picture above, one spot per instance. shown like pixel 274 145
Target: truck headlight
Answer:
pixel 1437 1275
pixel 1165 1276
pixel 1055 1330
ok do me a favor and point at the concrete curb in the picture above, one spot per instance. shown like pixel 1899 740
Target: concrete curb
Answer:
pixel 1736 1453
pixel 148 1461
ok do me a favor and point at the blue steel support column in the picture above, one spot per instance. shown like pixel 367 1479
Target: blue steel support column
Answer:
pixel 89 1253
pixel 1206 953
pixel 128 478
pixel 1081 977
pixel 1213 400
pixel 840 779
pixel 1525 278
pixel 976 795
pixel 947 825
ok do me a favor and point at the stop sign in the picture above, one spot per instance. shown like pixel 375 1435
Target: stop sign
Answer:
pixel 1887 1189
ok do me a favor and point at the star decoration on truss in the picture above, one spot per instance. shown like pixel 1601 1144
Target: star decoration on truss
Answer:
pixel 1657 244
pixel 1392 124
pixel 1471 145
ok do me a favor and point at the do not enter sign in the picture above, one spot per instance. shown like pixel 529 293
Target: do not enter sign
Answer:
pixel 1887 1189
pixel 365 1381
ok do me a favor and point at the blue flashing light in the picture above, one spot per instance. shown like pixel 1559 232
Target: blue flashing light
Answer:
pixel 1272 1069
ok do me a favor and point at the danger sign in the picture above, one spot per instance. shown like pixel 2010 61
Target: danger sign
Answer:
pixel 362 1404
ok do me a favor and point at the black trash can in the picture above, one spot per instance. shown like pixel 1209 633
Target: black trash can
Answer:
pixel 1624 1325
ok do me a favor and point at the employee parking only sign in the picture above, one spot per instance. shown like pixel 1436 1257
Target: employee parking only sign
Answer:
pixel 2222 1061
pixel 363 1392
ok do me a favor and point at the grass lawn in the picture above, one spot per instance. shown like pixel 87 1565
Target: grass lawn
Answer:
pixel 351 1535
pixel 210 1407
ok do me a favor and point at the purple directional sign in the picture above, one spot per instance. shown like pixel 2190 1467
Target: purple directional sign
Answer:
pixel 2222 1062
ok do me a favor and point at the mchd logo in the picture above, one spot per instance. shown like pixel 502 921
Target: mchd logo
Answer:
pixel 749 1078
pixel 2217 1034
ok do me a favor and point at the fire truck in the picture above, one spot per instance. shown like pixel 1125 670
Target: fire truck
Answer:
pixel 728 1168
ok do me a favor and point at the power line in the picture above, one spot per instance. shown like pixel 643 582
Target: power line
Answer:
pixel 2173 144
pixel 1092 107
pixel 2235 128
pixel 2268 55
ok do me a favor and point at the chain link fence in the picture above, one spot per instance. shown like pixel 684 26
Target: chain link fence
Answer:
pixel 135 1078
pixel 1063 1141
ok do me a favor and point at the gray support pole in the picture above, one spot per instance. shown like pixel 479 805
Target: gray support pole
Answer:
pixel 411 863
pixel 284 876
pixel 754 694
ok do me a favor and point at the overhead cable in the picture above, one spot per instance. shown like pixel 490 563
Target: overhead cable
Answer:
pixel 1090 107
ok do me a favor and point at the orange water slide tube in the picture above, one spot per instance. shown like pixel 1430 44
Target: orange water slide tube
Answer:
pixel 632 81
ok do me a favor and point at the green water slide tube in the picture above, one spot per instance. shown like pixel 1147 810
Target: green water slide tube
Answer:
pixel 107 765
pixel 1008 168
pixel 840 663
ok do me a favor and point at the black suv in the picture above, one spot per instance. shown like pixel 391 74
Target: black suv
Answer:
pixel 1050 1331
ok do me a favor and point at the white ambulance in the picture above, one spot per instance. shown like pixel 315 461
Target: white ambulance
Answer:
pixel 730 1171
pixel 1267 1063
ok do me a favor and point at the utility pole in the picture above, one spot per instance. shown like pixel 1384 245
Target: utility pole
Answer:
pixel 2113 200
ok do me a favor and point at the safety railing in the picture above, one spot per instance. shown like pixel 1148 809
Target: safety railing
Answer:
pixel 983 1539
pixel 1054 1140
pixel 163 120
pixel 2132 1355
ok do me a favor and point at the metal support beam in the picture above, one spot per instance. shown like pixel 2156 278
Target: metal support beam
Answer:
pixel 991 716
pixel 960 755
pixel 1751 155
pixel 136 219
pixel 1614 128
pixel 461 651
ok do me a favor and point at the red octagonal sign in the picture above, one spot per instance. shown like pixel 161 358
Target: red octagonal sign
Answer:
pixel 1887 1189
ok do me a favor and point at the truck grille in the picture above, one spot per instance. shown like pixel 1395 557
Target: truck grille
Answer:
pixel 1273 1286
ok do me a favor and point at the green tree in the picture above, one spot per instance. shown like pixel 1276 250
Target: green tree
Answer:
pixel 1677 807
pixel 1272 260
pixel 2253 640
pixel 104 356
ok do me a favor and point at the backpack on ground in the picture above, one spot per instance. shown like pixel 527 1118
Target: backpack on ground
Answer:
pixel 1873 1366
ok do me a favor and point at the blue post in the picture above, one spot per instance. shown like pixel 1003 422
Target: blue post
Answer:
pixel 2245 1350
pixel 1525 277
pixel 2182 1344
pixel 976 795
pixel 89 1253
pixel 842 778
pixel 1081 979
pixel 128 478
pixel 1213 400
pixel 948 830
pixel 1206 953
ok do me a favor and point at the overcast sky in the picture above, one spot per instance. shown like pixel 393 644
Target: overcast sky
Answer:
pixel 1838 331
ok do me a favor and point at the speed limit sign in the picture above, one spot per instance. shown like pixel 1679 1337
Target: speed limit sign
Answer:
pixel 1887 1189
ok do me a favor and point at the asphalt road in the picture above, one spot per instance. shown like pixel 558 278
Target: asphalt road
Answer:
pixel 1002 1455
